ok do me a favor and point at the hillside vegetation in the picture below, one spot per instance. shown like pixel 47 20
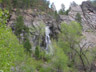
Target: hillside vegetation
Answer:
pixel 17 54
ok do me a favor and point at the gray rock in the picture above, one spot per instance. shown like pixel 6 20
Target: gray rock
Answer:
pixel 34 18
pixel 88 21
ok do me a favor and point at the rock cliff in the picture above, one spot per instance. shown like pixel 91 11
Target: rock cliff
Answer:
pixel 88 21
pixel 34 18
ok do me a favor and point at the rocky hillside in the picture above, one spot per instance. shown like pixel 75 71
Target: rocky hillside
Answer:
pixel 88 21
pixel 43 40
pixel 34 19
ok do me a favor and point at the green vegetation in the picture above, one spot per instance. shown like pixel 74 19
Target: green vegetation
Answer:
pixel 93 3
pixel 69 38
pixel 10 49
pixel 78 18
pixel 0 1
pixel 25 4
pixel 60 59
pixel 37 54
pixel 12 55
pixel 16 54
pixel 40 30
pixel 20 28
pixel 63 13
pixel 4 15
pixel 27 45
pixel 69 41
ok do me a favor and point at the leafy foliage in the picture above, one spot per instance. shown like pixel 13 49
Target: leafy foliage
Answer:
pixel 4 15
pixel 71 32
pixel 24 4
pixel 10 49
pixel 68 39
pixel 60 60
pixel 12 55
pixel 66 54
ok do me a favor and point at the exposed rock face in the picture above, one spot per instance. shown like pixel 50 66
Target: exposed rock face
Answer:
pixel 89 13
pixel 74 9
pixel 88 21
pixel 35 18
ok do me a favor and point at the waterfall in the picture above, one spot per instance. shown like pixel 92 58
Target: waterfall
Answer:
pixel 47 40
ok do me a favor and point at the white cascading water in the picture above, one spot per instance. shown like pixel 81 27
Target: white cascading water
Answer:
pixel 47 40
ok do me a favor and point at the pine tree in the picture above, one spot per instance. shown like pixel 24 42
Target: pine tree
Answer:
pixel 78 18
pixel 37 52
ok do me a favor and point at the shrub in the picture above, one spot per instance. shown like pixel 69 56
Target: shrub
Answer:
pixel 37 52
pixel 27 45
pixel 59 60
pixel 10 49
pixel 78 18
pixel 19 26
pixel 48 69
pixel 69 39
pixel 63 12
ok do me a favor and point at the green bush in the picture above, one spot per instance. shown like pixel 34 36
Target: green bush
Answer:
pixel 66 12
pixel 48 69
pixel 63 12
pixel 12 55
pixel 60 59
pixel 25 4
pixel 37 52
pixel 4 15
pixel 19 26
pixel 78 18
pixel 68 39
pixel 27 45
pixel 10 49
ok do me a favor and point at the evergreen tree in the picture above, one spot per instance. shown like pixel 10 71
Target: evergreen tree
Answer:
pixel 53 7
pixel 78 18
pixel 27 45
pixel 62 10
pixel 37 54
pixel 63 7
pixel 20 27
